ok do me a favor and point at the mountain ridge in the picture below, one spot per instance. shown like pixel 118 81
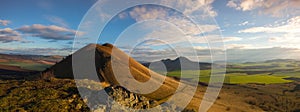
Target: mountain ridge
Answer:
pixel 179 62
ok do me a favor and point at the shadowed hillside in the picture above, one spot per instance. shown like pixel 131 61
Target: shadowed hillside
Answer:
pixel 8 72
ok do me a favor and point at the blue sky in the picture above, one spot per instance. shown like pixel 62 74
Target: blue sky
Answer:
pixel 252 30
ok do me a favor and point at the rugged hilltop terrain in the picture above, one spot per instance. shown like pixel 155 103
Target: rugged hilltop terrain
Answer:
pixel 106 57
pixel 123 64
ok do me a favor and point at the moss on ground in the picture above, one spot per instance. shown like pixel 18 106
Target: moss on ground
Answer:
pixel 54 95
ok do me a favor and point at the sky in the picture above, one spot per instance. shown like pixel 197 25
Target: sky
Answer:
pixel 247 30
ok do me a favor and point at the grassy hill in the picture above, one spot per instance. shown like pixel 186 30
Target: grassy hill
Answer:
pixel 103 56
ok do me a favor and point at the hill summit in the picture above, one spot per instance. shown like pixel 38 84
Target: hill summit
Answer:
pixel 110 60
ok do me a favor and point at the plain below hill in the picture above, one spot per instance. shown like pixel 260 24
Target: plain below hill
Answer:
pixel 28 62
pixel 20 67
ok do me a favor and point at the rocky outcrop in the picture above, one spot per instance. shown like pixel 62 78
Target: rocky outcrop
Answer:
pixel 129 99
pixel 115 98
pixel 119 99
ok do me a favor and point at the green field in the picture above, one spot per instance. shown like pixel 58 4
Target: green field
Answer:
pixel 235 78
pixel 258 78
pixel 295 74
pixel 27 66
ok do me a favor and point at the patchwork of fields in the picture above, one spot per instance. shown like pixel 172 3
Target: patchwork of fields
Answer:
pixel 28 62
pixel 27 65
pixel 237 78
pixel 269 72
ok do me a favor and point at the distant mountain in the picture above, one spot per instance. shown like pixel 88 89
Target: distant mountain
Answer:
pixel 49 60
pixel 239 61
pixel 179 64
pixel 282 60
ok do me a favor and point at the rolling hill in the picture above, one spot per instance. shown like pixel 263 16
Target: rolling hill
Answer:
pixel 175 65
pixel 103 64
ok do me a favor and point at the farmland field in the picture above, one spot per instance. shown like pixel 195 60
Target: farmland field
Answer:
pixel 27 66
pixel 235 78
pixel 29 62
pixel 268 72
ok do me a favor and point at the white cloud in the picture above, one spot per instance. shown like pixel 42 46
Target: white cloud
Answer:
pixel 235 53
pixel 208 28
pixel 230 39
pixel 289 40
pixel 278 8
pixel 191 28
pixel 9 35
pixel 292 26
pixel 280 35
pixel 143 13
pixel 176 30
pixel 213 39
pixel 238 46
pixel 244 5
pixel 122 15
pixel 218 39
pixel 57 20
pixel 248 5
pixel 158 30
pixel 245 23
pixel 232 4
pixel 4 22
pixel 191 7
pixel 183 31
pixel 171 36
pixel 51 32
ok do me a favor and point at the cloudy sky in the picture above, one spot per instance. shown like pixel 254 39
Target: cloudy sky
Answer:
pixel 251 30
